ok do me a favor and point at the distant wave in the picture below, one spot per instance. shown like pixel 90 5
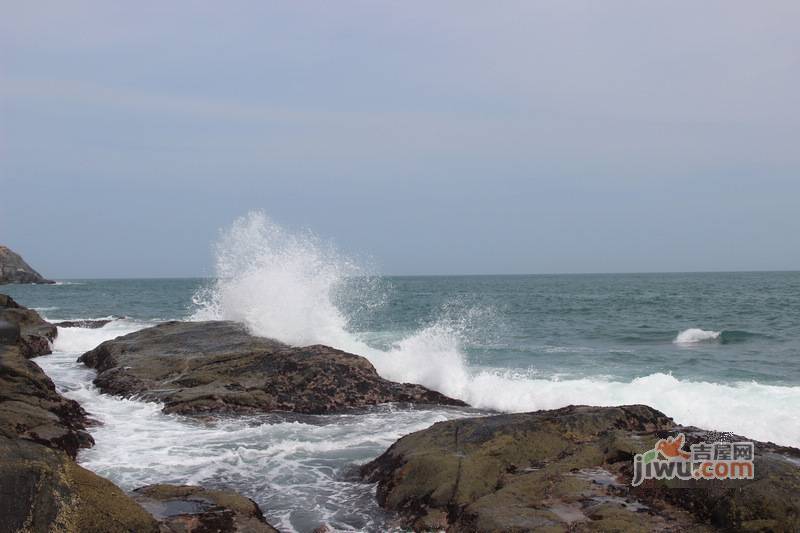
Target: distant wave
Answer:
pixel 693 335
pixel 696 335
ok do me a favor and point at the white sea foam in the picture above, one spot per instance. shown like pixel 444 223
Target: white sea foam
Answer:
pixel 694 335
pixel 281 285
pixel 79 340
pixel 763 412
pixel 292 468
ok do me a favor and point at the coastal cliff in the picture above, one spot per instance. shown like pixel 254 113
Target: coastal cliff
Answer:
pixel 14 269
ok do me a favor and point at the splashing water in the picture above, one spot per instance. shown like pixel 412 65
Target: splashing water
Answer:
pixel 279 284
pixel 284 286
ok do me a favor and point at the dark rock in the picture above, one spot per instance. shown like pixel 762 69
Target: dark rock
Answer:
pixel 186 509
pixel 9 333
pixel 36 334
pixel 14 269
pixel 89 324
pixel 42 489
pixel 217 367
pixel 32 409
pixel 570 470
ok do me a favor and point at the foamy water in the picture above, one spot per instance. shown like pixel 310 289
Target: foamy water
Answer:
pixel 300 469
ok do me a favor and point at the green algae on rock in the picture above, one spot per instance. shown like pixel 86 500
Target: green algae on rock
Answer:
pixel 43 489
pixel 569 470
pixel 183 508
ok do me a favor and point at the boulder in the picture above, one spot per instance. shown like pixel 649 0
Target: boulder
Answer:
pixel 42 489
pixel 14 269
pixel 217 367
pixel 570 470
pixel 186 509
pixel 36 334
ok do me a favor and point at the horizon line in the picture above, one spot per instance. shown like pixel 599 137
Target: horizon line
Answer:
pixel 393 275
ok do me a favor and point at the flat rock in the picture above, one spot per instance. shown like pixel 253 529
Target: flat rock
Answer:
pixel 570 470
pixel 35 333
pixel 186 509
pixel 87 324
pixel 14 269
pixel 217 367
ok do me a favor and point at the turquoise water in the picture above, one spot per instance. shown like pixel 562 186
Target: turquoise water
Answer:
pixel 619 326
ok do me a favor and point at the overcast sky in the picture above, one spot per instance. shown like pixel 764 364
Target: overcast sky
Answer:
pixel 433 137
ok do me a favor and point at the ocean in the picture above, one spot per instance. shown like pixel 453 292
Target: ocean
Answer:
pixel 715 350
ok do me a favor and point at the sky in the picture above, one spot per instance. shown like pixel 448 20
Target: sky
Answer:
pixel 448 137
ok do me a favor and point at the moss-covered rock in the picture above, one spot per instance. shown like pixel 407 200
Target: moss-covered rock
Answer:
pixel 42 489
pixel 570 470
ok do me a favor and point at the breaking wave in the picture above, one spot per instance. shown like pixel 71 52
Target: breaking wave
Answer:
pixel 285 285
pixel 693 335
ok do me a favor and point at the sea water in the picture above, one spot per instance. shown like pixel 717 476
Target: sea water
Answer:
pixel 716 350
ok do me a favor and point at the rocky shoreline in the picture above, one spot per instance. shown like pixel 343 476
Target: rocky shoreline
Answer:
pixel 568 469
pixel 42 488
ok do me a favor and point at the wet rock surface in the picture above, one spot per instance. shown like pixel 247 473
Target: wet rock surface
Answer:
pixel 570 470
pixel 14 269
pixel 217 367
pixel 185 509
pixel 35 333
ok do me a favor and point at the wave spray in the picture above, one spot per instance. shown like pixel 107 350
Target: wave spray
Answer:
pixel 286 285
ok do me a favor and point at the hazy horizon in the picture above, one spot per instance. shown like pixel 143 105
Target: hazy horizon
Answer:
pixel 427 139
pixel 467 275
